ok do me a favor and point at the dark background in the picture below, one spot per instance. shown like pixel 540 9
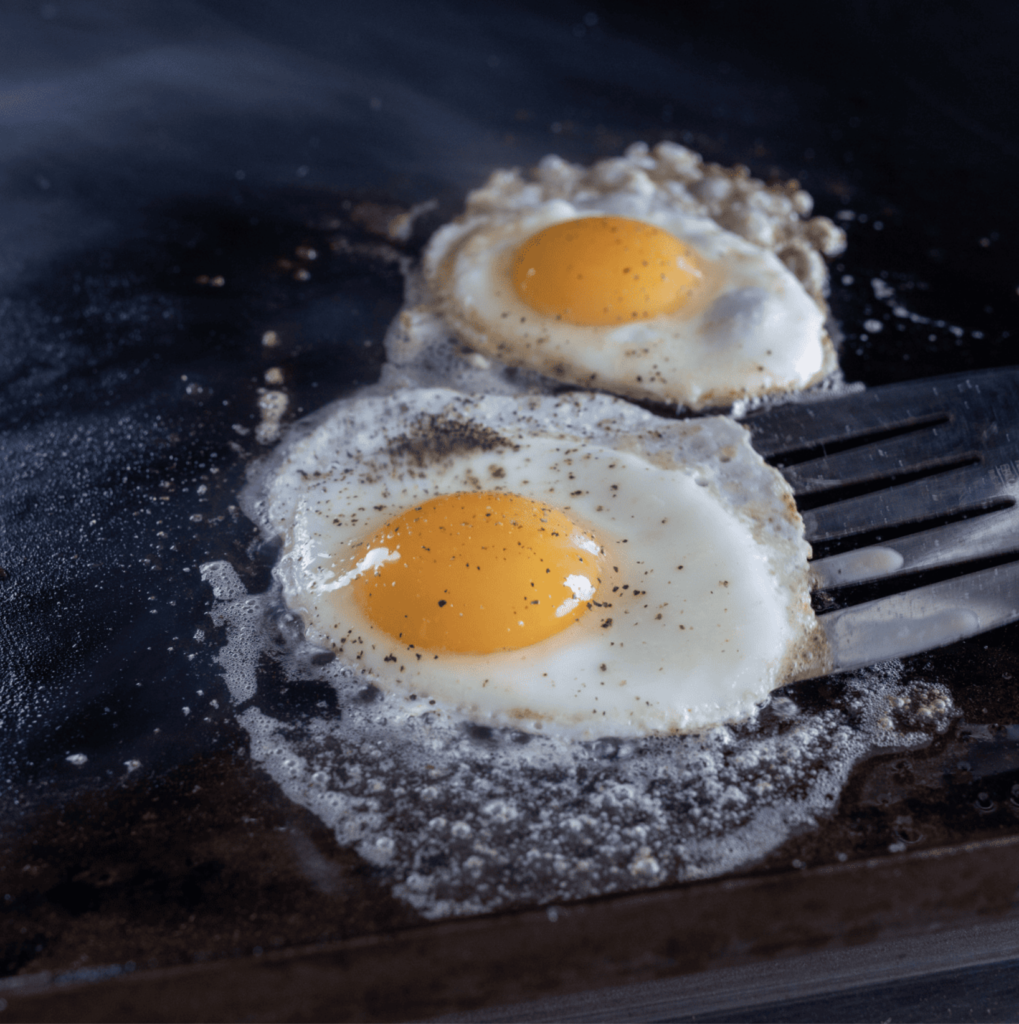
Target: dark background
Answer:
pixel 144 146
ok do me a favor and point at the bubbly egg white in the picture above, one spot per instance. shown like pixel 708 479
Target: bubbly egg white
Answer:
pixel 464 820
pixel 704 612
pixel 755 327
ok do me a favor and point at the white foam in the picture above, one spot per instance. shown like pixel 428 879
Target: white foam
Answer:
pixel 467 821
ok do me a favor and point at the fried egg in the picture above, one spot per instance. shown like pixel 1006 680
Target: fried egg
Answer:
pixel 569 564
pixel 651 276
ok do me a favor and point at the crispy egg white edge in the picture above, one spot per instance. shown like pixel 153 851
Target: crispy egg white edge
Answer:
pixel 668 179
pixel 346 443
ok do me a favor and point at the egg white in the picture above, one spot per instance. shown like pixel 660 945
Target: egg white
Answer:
pixel 671 649
pixel 751 329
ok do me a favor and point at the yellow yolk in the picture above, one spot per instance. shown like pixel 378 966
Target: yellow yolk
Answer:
pixel 598 271
pixel 474 573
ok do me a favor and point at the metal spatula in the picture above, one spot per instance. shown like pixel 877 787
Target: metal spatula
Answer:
pixel 939 460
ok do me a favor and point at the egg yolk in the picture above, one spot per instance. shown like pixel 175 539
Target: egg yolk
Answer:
pixel 473 573
pixel 599 271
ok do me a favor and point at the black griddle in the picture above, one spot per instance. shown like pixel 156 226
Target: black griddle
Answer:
pixel 164 173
